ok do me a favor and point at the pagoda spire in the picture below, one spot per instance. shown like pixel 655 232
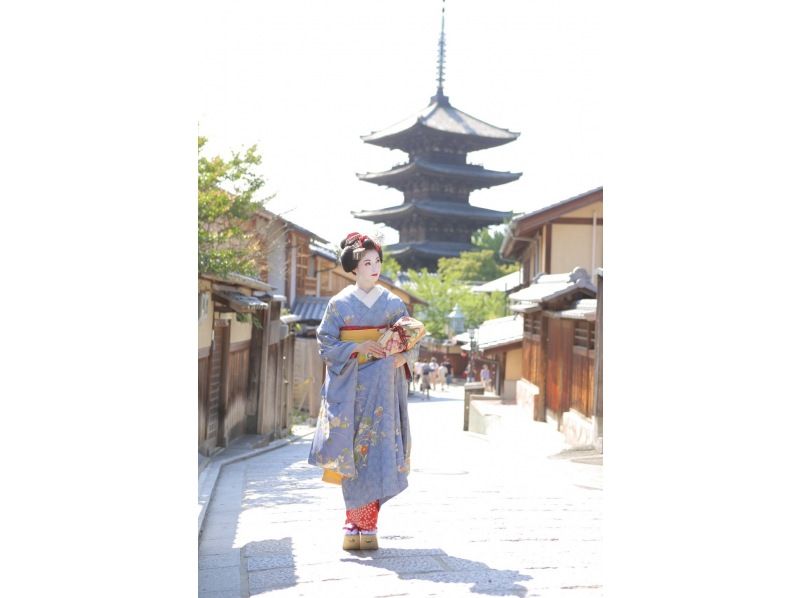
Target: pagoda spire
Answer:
pixel 440 67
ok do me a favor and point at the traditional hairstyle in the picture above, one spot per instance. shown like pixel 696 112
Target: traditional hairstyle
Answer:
pixel 353 247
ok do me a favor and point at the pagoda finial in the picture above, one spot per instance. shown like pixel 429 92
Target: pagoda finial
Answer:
pixel 440 88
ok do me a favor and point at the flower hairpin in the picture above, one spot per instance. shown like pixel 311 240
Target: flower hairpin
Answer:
pixel 358 241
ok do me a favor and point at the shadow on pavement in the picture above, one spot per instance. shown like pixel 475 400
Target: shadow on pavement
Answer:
pixel 437 566
pixel 297 483
pixel 419 397
pixel 269 565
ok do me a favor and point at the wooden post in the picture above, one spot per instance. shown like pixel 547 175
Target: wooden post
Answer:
pixel 264 373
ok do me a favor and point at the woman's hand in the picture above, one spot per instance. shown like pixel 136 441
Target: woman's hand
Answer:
pixel 371 348
pixel 399 360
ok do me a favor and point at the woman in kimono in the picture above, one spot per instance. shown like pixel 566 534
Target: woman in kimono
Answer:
pixel 362 439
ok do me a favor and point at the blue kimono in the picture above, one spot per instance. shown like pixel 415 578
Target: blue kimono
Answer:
pixel 363 429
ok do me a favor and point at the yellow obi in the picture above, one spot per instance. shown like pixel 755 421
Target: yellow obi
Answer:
pixel 359 334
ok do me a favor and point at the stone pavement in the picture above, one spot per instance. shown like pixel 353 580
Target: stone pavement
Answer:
pixel 498 516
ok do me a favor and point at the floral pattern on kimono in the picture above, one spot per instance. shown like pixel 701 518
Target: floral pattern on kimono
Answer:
pixel 363 429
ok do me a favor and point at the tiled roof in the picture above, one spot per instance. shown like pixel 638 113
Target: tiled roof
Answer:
pixel 436 248
pixel 435 207
pixel 559 204
pixel 494 333
pixel 509 282
pixel 550 287
pixel 500 331
pixel 440 116
pixel 310 309
pixel 583 309
pixel 325 252
pixel 239 302
pixel 478 174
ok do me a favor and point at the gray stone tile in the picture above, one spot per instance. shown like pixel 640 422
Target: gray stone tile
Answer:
pixel 270 561
pixel 215 517
pixel 214 561
pixel 274 578
pixel 222 578
pixel 268 546
pixel 215 546
pixel 221 594
pixel 458 564
pixel 404 564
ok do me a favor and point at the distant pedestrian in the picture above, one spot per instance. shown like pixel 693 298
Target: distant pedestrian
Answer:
pixel 486 378
pixel 448 377
pixel 418 373
pixel 468 374
pixel 434 374
pixel 425 386
pixel 442 376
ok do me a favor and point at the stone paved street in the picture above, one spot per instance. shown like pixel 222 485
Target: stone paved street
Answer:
pixel 482 515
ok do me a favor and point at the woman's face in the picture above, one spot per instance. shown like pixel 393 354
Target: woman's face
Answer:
pixel 369 268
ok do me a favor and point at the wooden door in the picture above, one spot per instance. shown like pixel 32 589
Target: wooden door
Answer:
pixel 203 365
pixel 217 384
pixel 559 361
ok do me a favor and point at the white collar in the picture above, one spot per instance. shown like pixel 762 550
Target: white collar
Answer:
pixel 370 298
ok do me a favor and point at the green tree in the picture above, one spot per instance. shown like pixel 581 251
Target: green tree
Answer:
pixel 474 266
pixel 491 237
pixel 226 200
pixel 390 267
pixel 442 292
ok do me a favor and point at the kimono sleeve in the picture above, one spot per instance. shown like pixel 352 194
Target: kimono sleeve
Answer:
pixel 334 352
pixel 412 354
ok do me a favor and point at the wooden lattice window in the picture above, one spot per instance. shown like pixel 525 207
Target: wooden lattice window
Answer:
pixel 583 337
pixel 532 326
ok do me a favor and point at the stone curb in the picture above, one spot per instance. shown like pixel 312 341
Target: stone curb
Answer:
pixel 207 481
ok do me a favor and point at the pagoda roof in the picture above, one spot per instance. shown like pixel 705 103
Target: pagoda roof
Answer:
pixel 434 207
pixel 429 248
pixel 478 175
pixel 440 117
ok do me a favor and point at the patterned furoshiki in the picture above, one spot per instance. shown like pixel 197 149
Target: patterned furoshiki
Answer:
pixel 364 517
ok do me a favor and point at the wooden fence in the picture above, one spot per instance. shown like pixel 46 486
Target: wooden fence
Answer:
pixel 245 387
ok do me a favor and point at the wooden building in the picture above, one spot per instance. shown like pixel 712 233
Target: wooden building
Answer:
pixel 436 219
pixel 287 259
pixel 559 237
pixel 242 367
pixel 558 352
pixel 598 366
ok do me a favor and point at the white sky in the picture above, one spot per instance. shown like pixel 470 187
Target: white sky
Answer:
pixel 304 80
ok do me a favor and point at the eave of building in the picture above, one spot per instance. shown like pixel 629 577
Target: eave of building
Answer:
pixel 431 207
pixel 524 226
pixel 291 226
pixel 553 291
pixel 323 252
pixel 441 117
pixel 429 248
pixel 239 280
pixel 477 176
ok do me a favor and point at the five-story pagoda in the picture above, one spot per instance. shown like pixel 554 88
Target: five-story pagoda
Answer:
pixel 436 219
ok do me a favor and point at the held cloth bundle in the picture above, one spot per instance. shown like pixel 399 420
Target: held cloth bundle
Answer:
pixel 402 335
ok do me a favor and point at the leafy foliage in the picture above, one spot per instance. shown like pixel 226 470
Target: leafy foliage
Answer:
pixel 474 266
pixel 390 267
pixel 491 237
pixel 443 291
pixel 226 191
